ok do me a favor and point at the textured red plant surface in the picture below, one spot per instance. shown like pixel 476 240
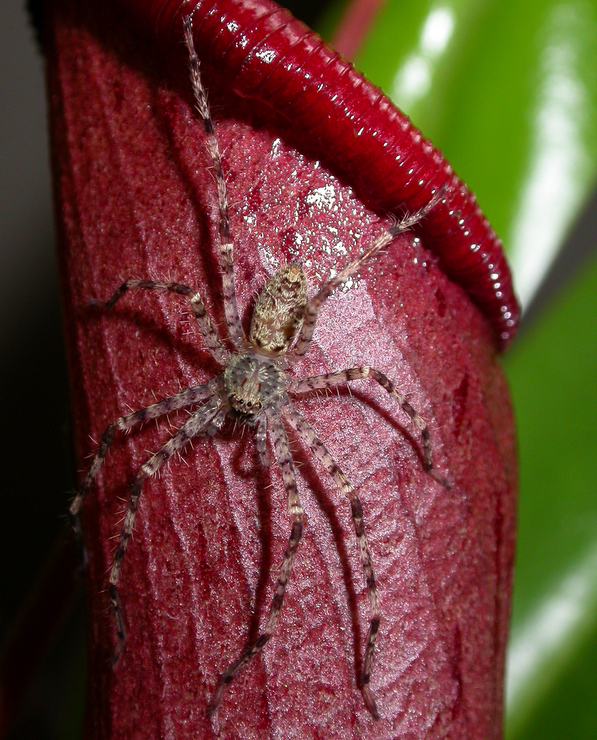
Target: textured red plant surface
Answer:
pixel 135 197
pixel 269 57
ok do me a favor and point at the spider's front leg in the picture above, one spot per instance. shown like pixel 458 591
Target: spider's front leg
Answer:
pixel 180 400
pixel 295 511
pixel 319 451
pixel 261 442
pixel 342 377
pixel 205 418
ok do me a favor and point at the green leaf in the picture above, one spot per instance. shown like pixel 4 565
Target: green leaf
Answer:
pixel 508 90
pixel 553 377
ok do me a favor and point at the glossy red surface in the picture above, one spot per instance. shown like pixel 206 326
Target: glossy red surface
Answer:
pixel 267 55
pixel 135 197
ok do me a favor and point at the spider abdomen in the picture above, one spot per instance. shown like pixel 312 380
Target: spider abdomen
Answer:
pixel 252 384
pixel 279 310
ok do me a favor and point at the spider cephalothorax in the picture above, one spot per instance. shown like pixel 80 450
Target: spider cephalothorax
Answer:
pixel 252 385
pixel 255 390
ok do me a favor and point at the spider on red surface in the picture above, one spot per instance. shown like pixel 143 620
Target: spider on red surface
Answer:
pixel 255 390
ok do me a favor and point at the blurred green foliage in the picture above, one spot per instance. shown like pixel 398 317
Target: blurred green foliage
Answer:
pixel 508 90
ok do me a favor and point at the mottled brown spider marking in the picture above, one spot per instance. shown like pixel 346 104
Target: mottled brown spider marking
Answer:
pixel 253 389
pixel 279 310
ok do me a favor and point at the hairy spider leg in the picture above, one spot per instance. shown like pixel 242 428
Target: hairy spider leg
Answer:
pixel 295 511
pixel 314 305
pixel 235 329
pixel 317 448
pixel 188 397
pixel 261 442
pixel 341 377
pixel 200 421
pixel 212 340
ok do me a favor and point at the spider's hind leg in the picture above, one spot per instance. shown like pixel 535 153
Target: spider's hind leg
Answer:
pixel 381 242
pixel 235 329
pixel 212 340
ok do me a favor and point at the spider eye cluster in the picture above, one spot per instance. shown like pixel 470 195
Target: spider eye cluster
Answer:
pixel 252 384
